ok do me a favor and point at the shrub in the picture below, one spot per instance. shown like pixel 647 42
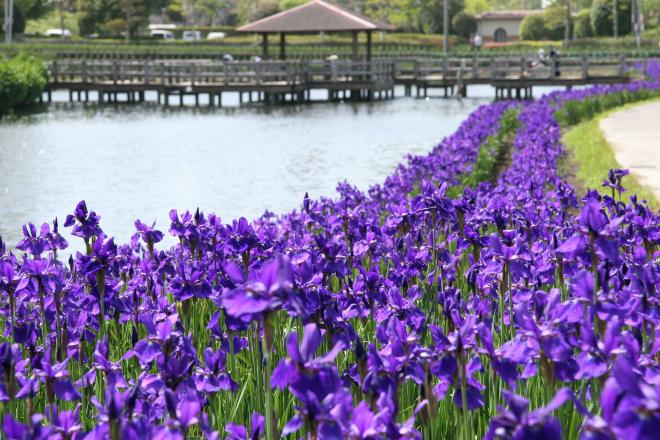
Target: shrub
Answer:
pixel 582 23
pixel 22 80
pixel 464 24
pixel 533 28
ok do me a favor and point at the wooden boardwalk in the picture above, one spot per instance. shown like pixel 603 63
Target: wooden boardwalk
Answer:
pixel 272 81
pixel 293 81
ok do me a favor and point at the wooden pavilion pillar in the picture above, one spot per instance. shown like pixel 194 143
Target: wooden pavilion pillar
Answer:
pixel 282 46
pixel 264 46
pixel 355 45
pixel 368 45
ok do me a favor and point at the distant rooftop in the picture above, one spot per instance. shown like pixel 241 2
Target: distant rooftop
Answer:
pixel 315 16
pixel 508 14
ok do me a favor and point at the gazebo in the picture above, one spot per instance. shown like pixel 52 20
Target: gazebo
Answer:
pixel 313 17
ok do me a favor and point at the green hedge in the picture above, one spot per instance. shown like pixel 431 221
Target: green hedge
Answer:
pixel 575 111
pixel 22 80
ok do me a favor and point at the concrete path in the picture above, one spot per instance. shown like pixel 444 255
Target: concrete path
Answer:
pixel 634 135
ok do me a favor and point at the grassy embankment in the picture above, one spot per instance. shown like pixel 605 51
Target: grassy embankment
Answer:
pixel 590 157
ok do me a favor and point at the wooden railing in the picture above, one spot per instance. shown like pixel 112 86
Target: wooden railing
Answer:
pixel 220 73
pixel 378 73
pixel 489 69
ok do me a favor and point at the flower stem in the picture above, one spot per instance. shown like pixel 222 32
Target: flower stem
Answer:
pixel 270 422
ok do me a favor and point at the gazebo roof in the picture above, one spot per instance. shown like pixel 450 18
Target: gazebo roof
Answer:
pixel 315 16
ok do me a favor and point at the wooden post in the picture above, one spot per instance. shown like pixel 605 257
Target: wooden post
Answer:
pixel 84 72
pixel 553 67
pixel 282 46
pixel 115 72
pixel 368 45
pixel 475 67
pixel 355 46
pixel 264 46
pixel 585 67
pixel 145 71
pixel 54 71
pixel 622 65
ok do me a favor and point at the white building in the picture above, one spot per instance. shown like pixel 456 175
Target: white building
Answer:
pixel 502 26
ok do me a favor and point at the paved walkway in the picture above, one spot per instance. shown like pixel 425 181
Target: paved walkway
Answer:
pixel 634 135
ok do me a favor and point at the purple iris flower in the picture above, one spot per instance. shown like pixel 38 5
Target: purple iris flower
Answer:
pixel 85 224
pixel 518 423
pixel 34 430
pixel 239 432
pixel 265 290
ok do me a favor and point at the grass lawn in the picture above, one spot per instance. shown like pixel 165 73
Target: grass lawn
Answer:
pixel 590 157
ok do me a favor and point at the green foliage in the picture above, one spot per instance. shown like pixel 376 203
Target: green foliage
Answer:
pixel 475 7
pixel 533 28
pixel 651 9
pixel 602 18
pixel 575 111
pixel 492 153
pixel 464 24
pixel 101 16
pixel 22 80
pixel 204 12
pixel 547 26
pixel 51 20
pixel 555 21
pixel 582 23
pixel 288 4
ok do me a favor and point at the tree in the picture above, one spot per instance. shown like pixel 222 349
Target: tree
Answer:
pixel 651 10
pixel 106 16
pixel 533 28
pixel 475 7
pixel 464 24
pixel 583 24
pixel 602 17
pixel 207 12
pixel 555 21
pixel 18 22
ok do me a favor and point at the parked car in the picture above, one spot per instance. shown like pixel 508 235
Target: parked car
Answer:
pixel 192 35
pixel 61 33
pixel 162 34
pixel 215 35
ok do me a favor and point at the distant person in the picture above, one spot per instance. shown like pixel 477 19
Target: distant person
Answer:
pixel 542 59
pixel 554 61
pixel 478 41
pixel 227 57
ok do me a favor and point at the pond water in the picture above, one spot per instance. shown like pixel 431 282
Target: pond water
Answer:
pixel 139 161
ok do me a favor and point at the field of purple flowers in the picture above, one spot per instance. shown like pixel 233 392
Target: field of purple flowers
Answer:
pixel 473 294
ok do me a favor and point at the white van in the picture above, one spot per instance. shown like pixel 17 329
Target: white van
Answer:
pixel 162 34
pixel 215 35
pixel 62 33
pixel 192 35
